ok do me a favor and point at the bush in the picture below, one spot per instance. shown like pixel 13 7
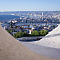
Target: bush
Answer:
pixel 43 32
pixel 9 31
pixel 18 35
pixel 25 34
pixel 35 33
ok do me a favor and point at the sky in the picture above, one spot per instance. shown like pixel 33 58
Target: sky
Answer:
pixel 29 5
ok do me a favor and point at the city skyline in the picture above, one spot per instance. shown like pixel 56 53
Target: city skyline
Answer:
pixel 29 5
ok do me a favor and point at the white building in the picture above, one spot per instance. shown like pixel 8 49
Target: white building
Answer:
pixel 30 31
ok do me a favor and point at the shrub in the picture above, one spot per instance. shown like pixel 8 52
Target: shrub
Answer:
pixel 35 33
pixel 9 31
pixel 25 34
pixel 18 34
pixel 43 32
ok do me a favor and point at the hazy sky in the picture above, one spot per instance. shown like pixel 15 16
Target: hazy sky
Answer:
pixel 31 5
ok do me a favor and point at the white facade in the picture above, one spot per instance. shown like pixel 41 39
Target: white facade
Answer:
pixel 30 31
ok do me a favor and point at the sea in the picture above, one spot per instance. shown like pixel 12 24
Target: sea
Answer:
pixel 4 18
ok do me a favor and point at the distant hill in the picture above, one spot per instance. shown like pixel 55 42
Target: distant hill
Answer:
pixel 25 12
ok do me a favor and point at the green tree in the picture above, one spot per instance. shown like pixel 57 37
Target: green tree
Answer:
pixel 43 32
pixel 35 33
pixel 18 34
pixel 25 34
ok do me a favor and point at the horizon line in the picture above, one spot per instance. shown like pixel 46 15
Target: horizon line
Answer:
pixel 27 10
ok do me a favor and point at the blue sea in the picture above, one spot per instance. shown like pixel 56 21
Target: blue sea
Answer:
pixel 4 18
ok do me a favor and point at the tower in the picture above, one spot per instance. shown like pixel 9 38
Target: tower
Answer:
pixel 42 16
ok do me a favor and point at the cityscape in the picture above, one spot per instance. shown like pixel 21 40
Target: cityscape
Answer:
pixel 29 30
pixel 29 22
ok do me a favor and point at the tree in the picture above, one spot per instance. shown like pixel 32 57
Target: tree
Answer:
pixel 35 33
pixel 18 34
pixel 25 34
pixel 43 32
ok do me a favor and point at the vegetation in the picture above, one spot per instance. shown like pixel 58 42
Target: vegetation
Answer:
pixel 18 34
pixel 25 34
pixel 43 32
pixel 9 31
pixel 34 33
